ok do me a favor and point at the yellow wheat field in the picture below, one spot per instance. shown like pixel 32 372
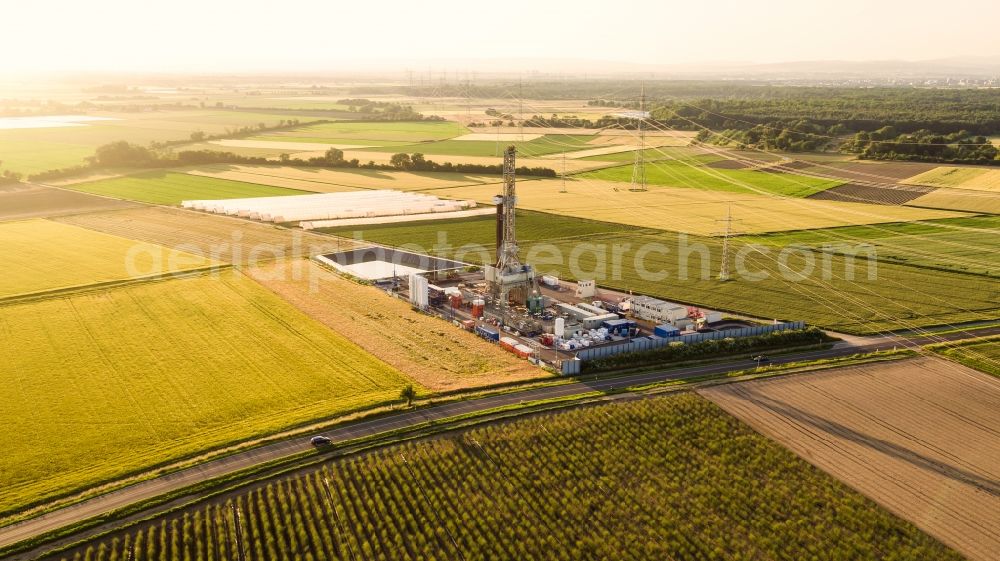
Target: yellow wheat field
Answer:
pixel 119 380
pixel 42 255
pixel 960 199
pixel 976 179
pixel 690 210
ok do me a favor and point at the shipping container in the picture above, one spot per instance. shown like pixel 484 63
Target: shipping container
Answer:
pixel 523 351
pixel 666 330
pixel 594 322
pixel 619 326
pixel 591 308
pixel 488 333
pixel 478 307
pixel 469 324
pixel 508 343
pixel 549 280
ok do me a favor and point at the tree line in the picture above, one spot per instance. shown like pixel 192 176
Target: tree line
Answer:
pixel 123 154
pixel 385 110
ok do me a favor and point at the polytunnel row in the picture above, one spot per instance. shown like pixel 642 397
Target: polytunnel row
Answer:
pixel 330 206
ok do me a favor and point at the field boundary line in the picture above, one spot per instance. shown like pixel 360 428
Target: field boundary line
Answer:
pixel 108 285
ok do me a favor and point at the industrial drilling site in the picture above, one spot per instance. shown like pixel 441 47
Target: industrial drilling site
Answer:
pixel 537 317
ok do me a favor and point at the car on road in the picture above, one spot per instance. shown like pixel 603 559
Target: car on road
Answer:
pixel 320 441
pixel 761 359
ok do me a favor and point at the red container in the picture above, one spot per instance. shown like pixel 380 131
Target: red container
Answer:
pixel 455 300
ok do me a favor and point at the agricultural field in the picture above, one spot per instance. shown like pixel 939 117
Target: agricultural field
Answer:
pixel 40 149
pixel 676 173
pixel 41 255
pixel 691 210
pixel 691 154
pixel 322 180
pixel 20 201
pixel 961 244
pixel 222 238
pixel 960 199
pixel 532 227
pixel 162 370
pixel 918 436
pixel 548 144
pixel 976 179
pixel 983 355
pixel 552 162
pixel 862 193
pixel 871 170
pixel 684 268
pixel 650 479
pixel 170 188
pixel 372 133
pixel 439 356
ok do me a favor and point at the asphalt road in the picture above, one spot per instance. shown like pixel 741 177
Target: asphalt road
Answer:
pixel 277 450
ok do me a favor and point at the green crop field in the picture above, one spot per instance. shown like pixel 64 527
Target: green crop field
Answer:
pixel 961 244
pixel 370 132
pixel 106 383
pixel 41 255
pixel 900 296
pixel 170 188
pixel 40 149
pixel 657 154
pixel 982 355
pixel 666 478
pixel 675 173
pixel 548 144
pixel 531 227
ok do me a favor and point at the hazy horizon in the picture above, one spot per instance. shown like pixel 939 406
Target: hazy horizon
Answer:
pixel 310 36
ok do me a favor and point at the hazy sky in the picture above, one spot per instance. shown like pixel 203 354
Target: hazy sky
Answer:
pixel 240 35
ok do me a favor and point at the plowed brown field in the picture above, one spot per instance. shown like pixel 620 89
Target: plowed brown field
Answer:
pixel 920 436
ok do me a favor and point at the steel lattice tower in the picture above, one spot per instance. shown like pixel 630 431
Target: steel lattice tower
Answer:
pixel 726 234
pixel 508 260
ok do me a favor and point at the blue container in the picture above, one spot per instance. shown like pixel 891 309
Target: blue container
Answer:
pixel 618 326
pixel 488 333
pixel 666 330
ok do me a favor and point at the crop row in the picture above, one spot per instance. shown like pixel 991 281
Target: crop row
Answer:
pixel 665 478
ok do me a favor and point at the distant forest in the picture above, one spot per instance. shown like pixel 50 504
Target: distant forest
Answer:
pixel 895 123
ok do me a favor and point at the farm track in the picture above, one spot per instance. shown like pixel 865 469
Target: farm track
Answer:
pixel 181 479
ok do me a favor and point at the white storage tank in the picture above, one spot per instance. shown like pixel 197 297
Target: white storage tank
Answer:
pixel 560 327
